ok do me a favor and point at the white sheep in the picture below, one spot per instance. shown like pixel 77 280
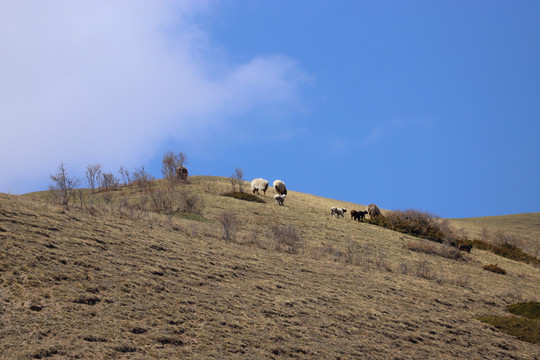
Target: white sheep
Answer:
pixel 259 184
pixel 280 187
pixel 336 212
pixel 280 199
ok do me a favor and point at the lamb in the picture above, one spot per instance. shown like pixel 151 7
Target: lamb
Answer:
pixel 259 184
pixel 280 199
pixel 280 187
pixel 358 215
pixel 373 211
pixel 336 212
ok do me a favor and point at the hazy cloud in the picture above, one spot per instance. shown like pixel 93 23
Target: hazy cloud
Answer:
pixel 109 81
pixel 385 129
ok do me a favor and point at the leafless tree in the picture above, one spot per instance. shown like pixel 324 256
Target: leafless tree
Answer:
pixel 237 180
pixel 108 182
pixel 63 186
pixel 93 174
pixel 173 167
pixel 126 175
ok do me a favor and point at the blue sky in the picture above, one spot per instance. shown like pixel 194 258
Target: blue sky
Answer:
pixel 432 105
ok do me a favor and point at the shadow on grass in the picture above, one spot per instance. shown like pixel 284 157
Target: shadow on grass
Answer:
pixel 244 196
pixel 190 216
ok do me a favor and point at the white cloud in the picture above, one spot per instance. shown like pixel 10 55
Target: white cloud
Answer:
pixel 109 81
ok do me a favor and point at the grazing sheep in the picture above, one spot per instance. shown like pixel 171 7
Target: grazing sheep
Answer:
pixel 373 211
pixel 466 248
pixel 336 212
pixel 280 187
pixel 358 215
pixel 280 199
pixel 181 173
pixel 259 185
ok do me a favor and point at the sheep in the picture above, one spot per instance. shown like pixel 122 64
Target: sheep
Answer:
pixel 373 211
pixel 280 187
pixel 280 199
pixel 466 248
pixel 259 185
pixel 336 212
pixel 182 173
pixel 358 215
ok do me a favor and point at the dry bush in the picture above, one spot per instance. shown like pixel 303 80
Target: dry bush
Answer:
pixel 237 180
pixel 495 268
pixel 142 180
pixel 126 175
pixel 164 201
pixel 63 187
pixel 444 250
pixel 286 236
pixel 108 182
pixel 403 268
pixel 190 202
pixel 93 174
pixel 423 269
pixel 230 224
pixel 171 163
pixel 417 223
pixel 169 202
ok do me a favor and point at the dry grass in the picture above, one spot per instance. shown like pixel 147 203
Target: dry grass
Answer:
pixel 523 228
pixel 113 282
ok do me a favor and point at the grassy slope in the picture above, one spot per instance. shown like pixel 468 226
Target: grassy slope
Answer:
pixel 185 292
pixel 526 227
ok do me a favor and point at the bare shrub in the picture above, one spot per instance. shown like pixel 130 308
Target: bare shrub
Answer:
pixel 172 166
pixel 328 248
pixel 286 236
pixel 169 202
pixel 190 202
pixel 63 187
pixel 254 237
pixel 164 201
pixel 126 175
pixel 237 180
pixel 463 281
pixel 230 224
pixel 380 261
pixel 502 238
pixel 404 268
pixel 93 174
pixel 423 269
pixel 107 196
pixel 452 236
pixel 495 268
pixel 108 182
pixel 444 250
pixel 142 179
pixel 352 253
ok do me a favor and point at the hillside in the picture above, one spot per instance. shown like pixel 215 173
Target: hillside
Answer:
pixel 525 227
pixel 114 282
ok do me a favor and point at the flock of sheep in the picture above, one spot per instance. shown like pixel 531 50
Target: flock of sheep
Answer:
pixel 260 184
pixel 372 210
